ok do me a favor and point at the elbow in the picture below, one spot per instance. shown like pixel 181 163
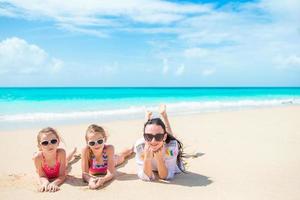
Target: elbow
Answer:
pixel 111 175
pixel 163 177
pixel 63 178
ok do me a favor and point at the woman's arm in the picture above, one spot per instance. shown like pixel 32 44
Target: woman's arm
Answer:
pixel 161 166
pixel 148 156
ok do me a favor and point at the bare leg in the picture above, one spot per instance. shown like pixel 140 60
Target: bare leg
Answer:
pixel 71 155
pixel 120 157
pixel 164 116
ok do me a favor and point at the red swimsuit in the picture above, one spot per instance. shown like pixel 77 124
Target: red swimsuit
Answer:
pixel 51 172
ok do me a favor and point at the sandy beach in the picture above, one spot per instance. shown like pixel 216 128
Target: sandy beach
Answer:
pixel 247 154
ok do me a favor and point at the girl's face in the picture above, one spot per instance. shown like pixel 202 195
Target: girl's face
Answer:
pixel 154 136
pixel 95 141
pixel 48 142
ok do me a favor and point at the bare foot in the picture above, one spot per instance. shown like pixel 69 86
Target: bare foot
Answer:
pixel 162 110
pixel 148 115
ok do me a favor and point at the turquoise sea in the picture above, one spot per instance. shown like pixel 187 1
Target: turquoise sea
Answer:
pixel 47 106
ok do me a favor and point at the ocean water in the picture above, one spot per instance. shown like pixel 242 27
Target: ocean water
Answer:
pixel 21 107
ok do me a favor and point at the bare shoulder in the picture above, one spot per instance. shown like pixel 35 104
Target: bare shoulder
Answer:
pixel 61 153
pixel 37 157
pixel 85 150
pixel 110 149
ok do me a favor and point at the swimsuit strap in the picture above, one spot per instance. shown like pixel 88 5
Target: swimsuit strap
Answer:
pixel 104 157
pixel 44 159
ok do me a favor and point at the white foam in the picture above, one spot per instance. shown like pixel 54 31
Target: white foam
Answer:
pixel 175 108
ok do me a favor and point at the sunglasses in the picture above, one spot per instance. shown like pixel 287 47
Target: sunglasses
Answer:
pixel 158 137
pixel 46 142
pixel 92 143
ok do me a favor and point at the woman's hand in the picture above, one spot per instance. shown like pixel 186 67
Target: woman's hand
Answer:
pixel 159 153
pixel 148 153
pixel 52 187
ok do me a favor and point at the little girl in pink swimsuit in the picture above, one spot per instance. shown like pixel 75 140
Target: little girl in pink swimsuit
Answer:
pixel 50 161
pixel 99 158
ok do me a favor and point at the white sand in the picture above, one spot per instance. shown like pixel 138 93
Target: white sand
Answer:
pixel 253 154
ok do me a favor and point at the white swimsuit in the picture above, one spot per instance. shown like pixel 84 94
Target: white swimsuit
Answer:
pixel 170 155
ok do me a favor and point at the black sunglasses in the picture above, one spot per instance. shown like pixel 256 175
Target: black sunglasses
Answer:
pixel 46 142
pixel 158 137
pixel 92 143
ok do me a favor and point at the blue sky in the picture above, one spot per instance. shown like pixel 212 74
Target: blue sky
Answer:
pixel 149 43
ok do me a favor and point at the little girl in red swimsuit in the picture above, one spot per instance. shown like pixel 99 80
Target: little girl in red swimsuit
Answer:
pixel 99 158
pixel 50 161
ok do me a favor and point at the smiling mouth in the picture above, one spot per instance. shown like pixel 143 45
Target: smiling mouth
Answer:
pixel 155 145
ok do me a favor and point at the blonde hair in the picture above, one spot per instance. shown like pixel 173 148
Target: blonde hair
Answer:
pixel 95 129
pixel 46 131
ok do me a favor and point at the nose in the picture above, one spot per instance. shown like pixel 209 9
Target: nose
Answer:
pixel 153 139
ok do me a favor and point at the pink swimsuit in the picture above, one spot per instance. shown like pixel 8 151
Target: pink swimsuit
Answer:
pixel 51 172
pixel 96 168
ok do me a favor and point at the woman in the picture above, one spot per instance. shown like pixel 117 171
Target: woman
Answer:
pixel 158 150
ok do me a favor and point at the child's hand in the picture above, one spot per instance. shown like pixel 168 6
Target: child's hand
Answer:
pixel 92 183
pixel 43 187
pixel 52 187
pixel 100 182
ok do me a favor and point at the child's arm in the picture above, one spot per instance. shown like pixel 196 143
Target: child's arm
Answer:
pixel 90 179
pixel 85 164
pixel 53 186
pixel 110 167
pixel 42 177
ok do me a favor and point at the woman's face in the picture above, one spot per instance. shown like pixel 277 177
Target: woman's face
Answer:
pixel 48 142
pixel 154 136
pixel 95 141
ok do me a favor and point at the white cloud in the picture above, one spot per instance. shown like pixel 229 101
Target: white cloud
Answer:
pixel 18 56
pixel 232 36
pixel 86 31
pixel 179 71
pixel 208 72
pixel 111 13
pixel 195 53
pixel 289 62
